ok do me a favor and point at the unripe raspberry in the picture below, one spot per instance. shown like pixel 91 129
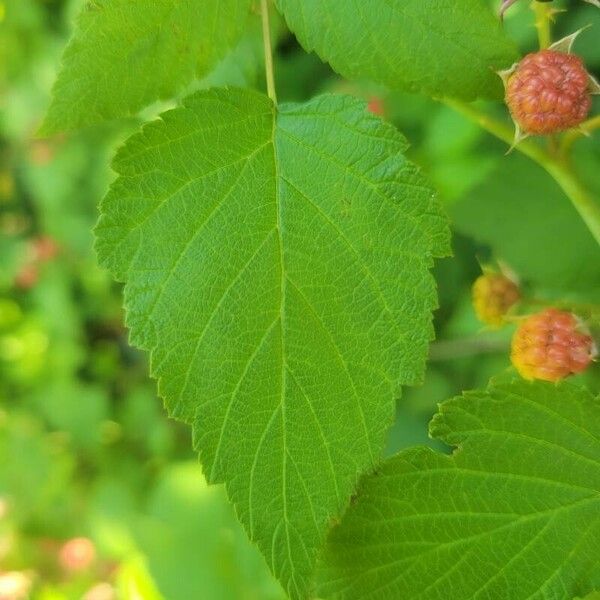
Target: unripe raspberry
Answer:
pixel 493 296
pixel 548 92
pixel 551 345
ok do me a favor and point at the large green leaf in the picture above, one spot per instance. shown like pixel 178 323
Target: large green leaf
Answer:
pixel 277 268
pixel 124 54
pixel 440 47
pixel 514 513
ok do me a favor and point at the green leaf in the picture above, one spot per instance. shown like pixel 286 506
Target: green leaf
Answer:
pixel 440 47
pixel 276 265
pixel 125 54
pixel 513 513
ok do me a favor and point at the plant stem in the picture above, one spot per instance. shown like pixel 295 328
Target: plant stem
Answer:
pixel 543 15
pixel 587 207
pixel 443 350
pixel 498 129
pixel 266 30
pixel 574 134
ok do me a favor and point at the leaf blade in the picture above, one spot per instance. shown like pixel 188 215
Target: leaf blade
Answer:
pixel 522 485
pixel 124 55
pixel 440 47
pixel 291 300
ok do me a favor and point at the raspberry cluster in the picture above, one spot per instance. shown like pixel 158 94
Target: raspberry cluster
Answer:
pixel 548 92
pixel 493 296
pixel 551 345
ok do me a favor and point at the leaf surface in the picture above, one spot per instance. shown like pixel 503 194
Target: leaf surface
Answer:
pixel 440 47
pixel 513 513
pixel 125 54
pixel 277 267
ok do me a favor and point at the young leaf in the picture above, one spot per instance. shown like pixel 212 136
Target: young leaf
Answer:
pixel 513 513
pixel 125 54
pixel 276 266
pixel 440 47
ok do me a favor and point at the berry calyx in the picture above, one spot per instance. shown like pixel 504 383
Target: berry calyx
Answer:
pixel 548 92
pixel 551 345
pixel 493 296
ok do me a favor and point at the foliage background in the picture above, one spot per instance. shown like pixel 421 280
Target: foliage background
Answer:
pixel 85 447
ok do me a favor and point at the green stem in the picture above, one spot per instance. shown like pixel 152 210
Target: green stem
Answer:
pixel 584 203
pixel 543 16
pixel 443 350
pixel 266 30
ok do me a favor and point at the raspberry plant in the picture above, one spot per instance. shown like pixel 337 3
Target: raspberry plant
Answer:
pixel 276 261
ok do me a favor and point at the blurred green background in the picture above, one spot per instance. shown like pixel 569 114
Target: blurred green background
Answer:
pixel 101 496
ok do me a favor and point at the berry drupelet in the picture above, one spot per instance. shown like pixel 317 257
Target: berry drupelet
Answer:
pixel 551 345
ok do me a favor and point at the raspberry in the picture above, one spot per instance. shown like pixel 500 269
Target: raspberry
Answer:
pixel 77 554
pixel 376 106
pixel 550 346
pixel 493 296
pixel 44 248
pixel 27 277
pixel 549 91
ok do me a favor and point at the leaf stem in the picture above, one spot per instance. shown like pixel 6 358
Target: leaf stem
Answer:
pixel 543 16
pixel 587 207
pixel 266 30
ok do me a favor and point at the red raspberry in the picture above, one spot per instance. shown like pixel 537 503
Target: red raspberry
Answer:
pixel 77 554
pixel 549 345
pixel 549 91
pixel 376 106
pixel 493 296
pixel 27 277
